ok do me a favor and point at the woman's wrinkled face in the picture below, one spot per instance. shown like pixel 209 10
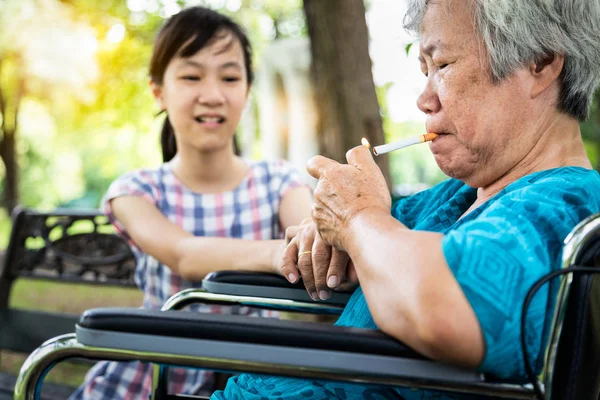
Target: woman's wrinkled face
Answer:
pixel 479 121
pixel 204 95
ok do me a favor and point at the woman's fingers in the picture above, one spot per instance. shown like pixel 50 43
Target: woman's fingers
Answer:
pixel 321 258
pixel 305 240
pixel 336 273
pixel 351 281
pixel 309 257
pixel 288 262
pixel 291 232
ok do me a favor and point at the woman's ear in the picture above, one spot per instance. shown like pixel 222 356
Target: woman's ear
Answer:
pixel 157 92
pixel 545 72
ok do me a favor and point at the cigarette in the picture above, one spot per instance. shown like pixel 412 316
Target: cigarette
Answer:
pixel 400 144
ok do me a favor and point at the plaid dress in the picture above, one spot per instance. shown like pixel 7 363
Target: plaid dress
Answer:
pixel 250 211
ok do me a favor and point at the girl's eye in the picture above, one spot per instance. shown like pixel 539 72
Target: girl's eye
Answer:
pixel 190 78
pixel 231 79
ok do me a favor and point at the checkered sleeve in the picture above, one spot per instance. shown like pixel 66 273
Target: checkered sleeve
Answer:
pixel 139 183
pixel 284 176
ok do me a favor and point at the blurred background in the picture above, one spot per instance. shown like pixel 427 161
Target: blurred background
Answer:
pixel 76 110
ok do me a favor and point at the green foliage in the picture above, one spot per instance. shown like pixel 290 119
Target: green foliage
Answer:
pixel 87 115
pixel 590 131
pixel 5 226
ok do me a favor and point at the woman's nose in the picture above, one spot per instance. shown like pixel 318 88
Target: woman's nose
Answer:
pixel 428 101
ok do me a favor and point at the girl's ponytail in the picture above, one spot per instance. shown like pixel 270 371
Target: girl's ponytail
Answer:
pixel 167 141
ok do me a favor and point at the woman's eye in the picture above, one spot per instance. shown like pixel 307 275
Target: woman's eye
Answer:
pixel 231 79
pixel 190 78
pixel 442 66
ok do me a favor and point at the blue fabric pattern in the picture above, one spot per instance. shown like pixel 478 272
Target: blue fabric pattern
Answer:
pixel 496 253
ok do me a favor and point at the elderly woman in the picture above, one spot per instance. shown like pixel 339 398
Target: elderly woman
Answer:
pixel 446 270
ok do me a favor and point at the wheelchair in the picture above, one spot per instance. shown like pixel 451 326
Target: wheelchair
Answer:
pixel 236 344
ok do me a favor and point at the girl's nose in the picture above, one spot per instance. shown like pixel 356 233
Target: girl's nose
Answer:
pixel 210 94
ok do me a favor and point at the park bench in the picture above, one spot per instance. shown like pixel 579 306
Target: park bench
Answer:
pixel 66 246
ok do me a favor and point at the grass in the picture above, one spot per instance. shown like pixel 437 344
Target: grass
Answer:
pixel 65 298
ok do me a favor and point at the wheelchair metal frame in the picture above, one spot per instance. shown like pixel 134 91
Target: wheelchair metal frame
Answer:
pixel 53 351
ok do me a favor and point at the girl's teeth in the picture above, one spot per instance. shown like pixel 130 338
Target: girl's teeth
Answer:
pixel 210 119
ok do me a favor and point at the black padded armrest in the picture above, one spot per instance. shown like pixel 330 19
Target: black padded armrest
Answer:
pixel 257 284
pixel 245 344
pixel 252 279
pixel 243 329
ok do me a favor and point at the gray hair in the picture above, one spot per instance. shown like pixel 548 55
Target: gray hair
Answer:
pixel 518 32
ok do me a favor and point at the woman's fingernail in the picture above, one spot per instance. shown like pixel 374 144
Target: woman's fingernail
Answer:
pixel 332 281
pixel 324 294
pixel 292 278
pixel 314 296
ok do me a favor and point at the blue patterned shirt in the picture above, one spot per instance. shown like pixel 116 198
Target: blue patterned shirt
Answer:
pixel 496 253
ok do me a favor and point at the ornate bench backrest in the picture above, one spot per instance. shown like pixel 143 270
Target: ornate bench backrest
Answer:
pixel 69 246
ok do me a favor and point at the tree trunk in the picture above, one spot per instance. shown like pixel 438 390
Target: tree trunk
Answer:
pixel 343 81
pixel 9 110
pixel 10 197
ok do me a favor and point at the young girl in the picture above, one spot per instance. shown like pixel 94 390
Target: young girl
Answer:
pixel 205 209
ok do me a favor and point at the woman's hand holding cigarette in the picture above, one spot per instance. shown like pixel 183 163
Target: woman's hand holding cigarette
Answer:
pixel 320 266
pixel 344 191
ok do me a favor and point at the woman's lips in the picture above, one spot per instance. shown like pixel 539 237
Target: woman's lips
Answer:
pixel 439 140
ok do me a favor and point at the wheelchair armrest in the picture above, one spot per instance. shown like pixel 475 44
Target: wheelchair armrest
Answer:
pixel 258 284
pixel 239 343
pixel 242 329
pixel 257 345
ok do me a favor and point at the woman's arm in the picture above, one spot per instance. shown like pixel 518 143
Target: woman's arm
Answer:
pixel 190 256
pixel 411 292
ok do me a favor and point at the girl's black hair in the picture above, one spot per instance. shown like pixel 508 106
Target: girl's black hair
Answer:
pixel 183 35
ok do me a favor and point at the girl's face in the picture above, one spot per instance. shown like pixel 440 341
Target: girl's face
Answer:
pixel 204 95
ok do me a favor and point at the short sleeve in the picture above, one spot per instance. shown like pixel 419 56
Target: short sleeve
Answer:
pixel 138 183
pixel 497 257
pixel 412 209
pixel 284 176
